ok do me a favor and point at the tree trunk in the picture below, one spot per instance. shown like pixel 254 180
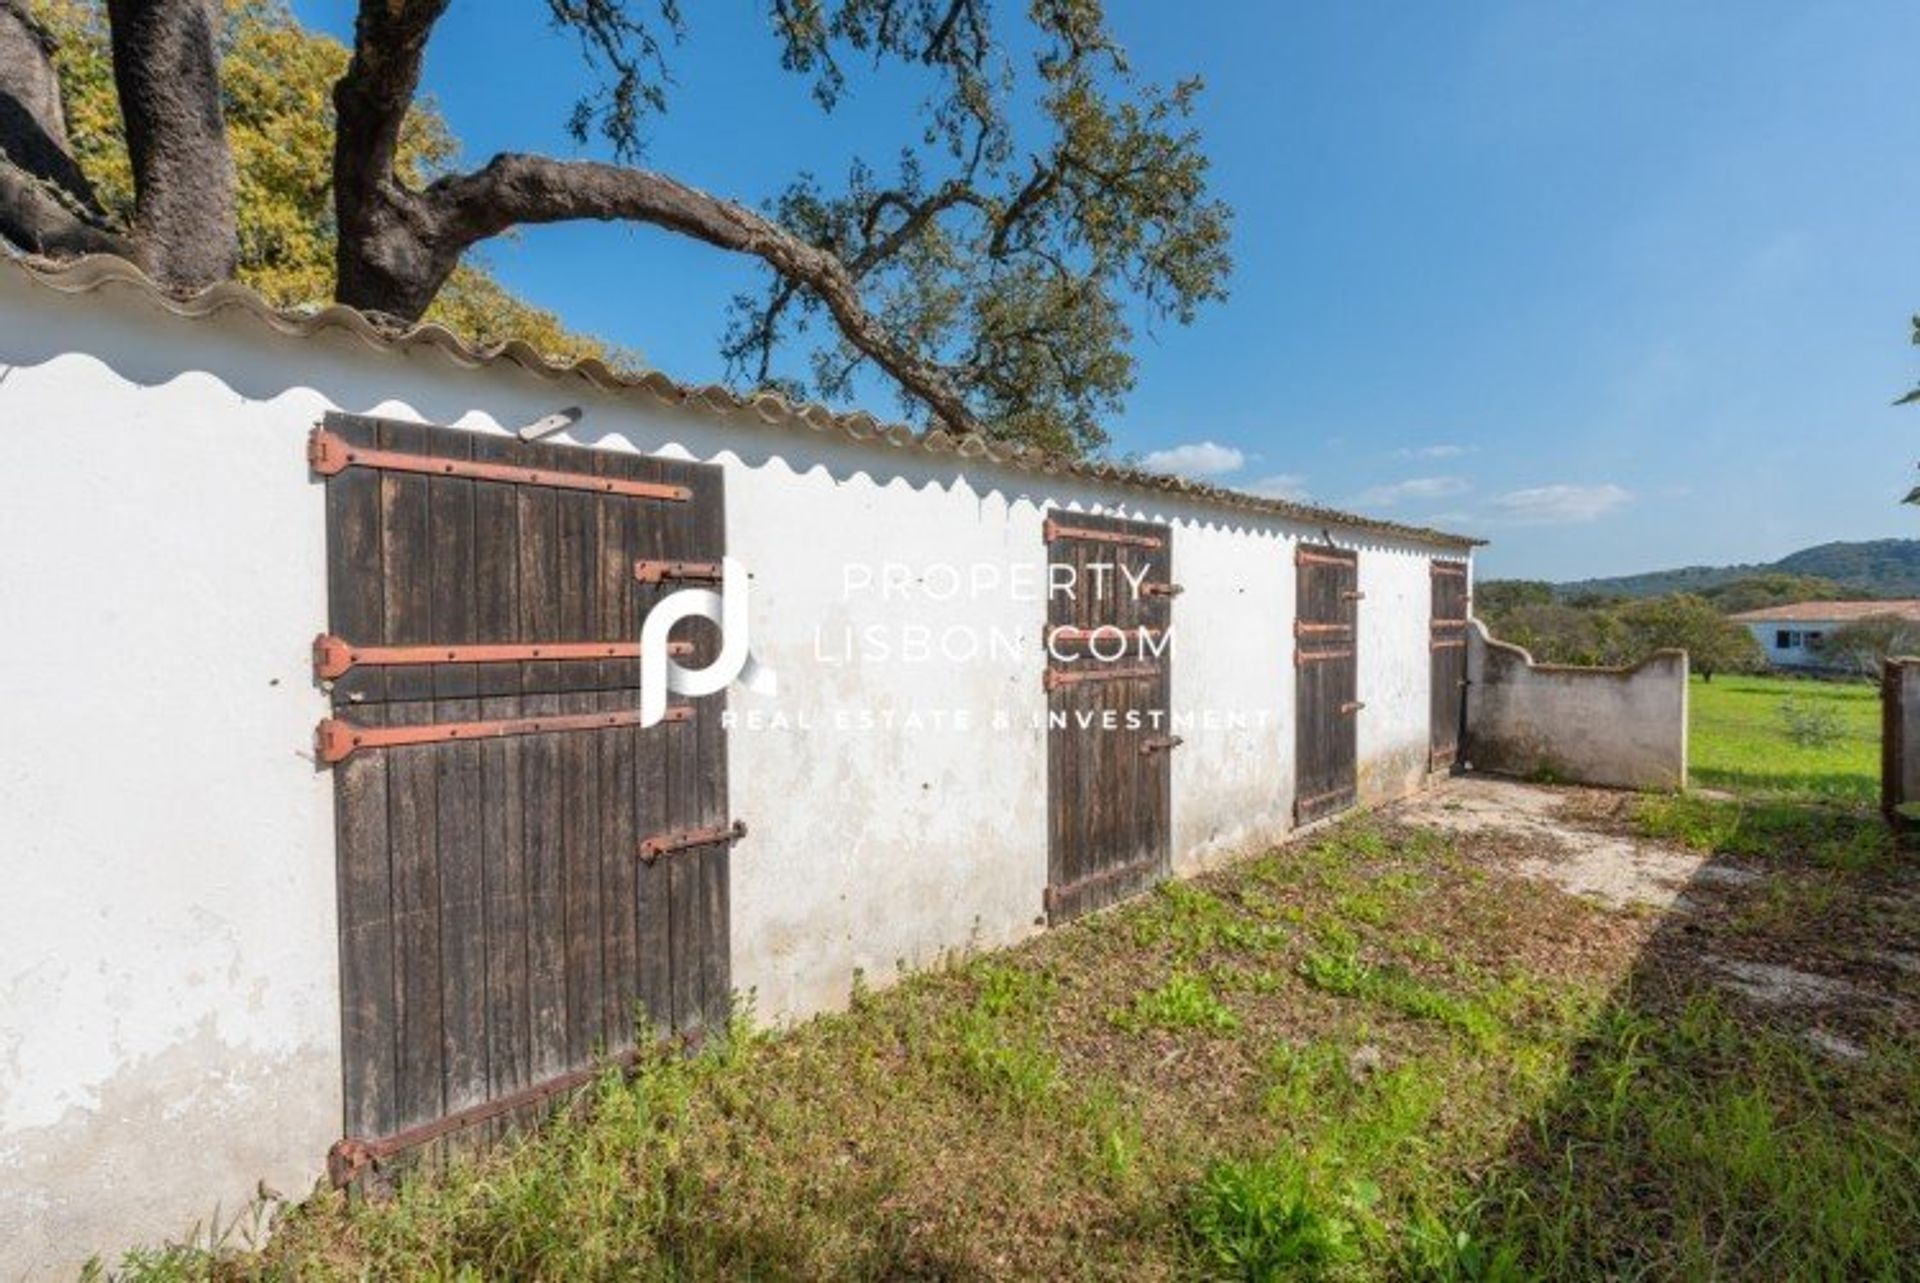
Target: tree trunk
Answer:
pixel 46 203
pixel 167 70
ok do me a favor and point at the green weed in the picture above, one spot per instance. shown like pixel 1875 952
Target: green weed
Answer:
pixel 1197 922
pixel 1346 975
pixel 1185 1001
pixel 1259 1221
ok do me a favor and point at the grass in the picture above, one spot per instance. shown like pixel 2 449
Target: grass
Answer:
pixel 1369 1055
pixel 1786 738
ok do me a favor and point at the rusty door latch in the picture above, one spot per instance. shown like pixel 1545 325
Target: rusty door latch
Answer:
pixel 657 572
pixel 653 848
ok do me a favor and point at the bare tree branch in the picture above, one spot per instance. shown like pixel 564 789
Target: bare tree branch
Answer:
pixel 518 189
pixel 1021 265
pixel 398 246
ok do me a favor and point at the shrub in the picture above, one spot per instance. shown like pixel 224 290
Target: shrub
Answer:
pixel 1809 724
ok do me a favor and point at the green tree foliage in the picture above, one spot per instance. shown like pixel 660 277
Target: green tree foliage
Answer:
pixel 1560 634
pixel 1865 644
pixel 277 79
pixel 1493 597
pixel 1595 629
pixel 1756 592
pixel 1683 621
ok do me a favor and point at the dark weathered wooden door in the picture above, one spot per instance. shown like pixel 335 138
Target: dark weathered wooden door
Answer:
pixel 1447 641
pixel 501 929
pixel 1326 703
pixel 1109 771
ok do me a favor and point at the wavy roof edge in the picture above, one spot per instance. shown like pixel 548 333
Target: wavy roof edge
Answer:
pixel 90 273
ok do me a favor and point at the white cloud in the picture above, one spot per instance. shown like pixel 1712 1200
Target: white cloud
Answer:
pixel 1286 486
pixel 1558 504
pixel 1195 459
pixel 1442 451
pixel 1413 488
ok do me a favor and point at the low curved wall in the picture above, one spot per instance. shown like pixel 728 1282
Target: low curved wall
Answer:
pixel 1613 727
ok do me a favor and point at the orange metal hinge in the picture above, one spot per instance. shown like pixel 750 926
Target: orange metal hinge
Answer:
pixel 335 740
pixel 330 454
pixel 1054 530
pixel 1057 677
pixel 334 657
pixel 1303 657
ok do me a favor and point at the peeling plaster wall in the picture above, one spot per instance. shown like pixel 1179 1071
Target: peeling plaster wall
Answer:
pixel 169 1025
pixel 1612 727
pixel 168 996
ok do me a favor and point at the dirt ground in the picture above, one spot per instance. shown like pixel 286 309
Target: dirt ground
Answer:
pixel 1493 1031
pixel 1585 842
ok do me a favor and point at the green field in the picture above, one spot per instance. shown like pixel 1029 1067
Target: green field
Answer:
pixel 1744 741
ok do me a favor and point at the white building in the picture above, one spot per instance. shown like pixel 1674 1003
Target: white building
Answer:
pixel 1790 636
pixel 173 1022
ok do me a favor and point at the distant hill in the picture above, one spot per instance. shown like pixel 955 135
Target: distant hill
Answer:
pixel 1874 568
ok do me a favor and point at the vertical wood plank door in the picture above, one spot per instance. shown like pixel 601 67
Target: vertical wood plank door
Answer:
pixel 1326 674
pixel 1109 748
pixel 1447 642
pixel 500 932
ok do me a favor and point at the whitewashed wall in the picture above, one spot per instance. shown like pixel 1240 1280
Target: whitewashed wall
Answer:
pixel 1395 609
pixel 169 1028
pixel 1614 727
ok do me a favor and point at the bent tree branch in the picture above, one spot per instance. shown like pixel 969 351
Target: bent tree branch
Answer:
pixel 993 284
pixel 398 246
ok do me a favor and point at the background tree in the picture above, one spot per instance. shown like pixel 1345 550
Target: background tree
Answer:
pixel 1756 592
pixel 989 271
pixel 1714 643
pixel 1495 597
pixel 1863 645
pixel 1593 628
pixel 1559 634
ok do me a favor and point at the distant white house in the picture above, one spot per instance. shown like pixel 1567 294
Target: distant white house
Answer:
pixel 1790 636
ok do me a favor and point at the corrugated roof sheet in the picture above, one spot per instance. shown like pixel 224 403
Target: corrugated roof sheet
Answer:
pixel 89 274
pixel 1838 612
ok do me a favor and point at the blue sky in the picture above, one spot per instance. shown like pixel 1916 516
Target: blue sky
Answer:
pixel 1616 285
